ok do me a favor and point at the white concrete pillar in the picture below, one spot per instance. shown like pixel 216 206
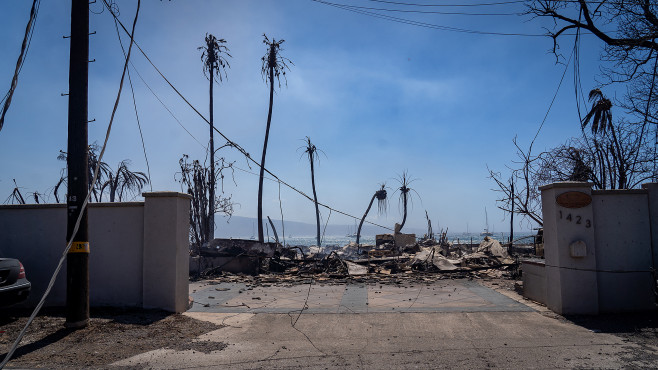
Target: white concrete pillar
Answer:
pixel 569 249
pixel 166 251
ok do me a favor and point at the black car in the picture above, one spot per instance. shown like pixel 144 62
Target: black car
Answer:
pixel 14 286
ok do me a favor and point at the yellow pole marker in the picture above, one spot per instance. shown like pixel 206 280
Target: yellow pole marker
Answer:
pixel 79 247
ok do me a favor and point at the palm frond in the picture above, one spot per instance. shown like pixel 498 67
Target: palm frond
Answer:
pixel 275 61
pixel 600 114
pixel 214 57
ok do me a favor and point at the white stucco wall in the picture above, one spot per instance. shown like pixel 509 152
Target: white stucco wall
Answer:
pixel 116 258
pixel 35 234
pixel 623 250
pixel 118 234
pixel 534 280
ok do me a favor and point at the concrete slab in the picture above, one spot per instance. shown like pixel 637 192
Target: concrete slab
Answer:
pixel 354 299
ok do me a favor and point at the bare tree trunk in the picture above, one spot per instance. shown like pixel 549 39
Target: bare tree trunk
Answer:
pixel 261 237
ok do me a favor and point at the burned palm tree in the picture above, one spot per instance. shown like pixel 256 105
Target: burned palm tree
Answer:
pixel 119 183
pixel 405 195
pixel 123 182
pixel 600 114
pixel 312 153
pixel 380 195
pixel 92 163
pixel 214 63
pixel 103 172
pixel 274 66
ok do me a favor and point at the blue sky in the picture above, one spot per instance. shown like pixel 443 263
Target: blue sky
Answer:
pixel 378 98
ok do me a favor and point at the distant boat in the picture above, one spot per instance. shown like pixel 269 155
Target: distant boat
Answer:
pixel 253 237
pixel 486 231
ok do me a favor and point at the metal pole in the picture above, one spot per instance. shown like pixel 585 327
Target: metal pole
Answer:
pixel 77 270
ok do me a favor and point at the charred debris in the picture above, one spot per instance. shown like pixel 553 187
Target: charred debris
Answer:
pixel 394 256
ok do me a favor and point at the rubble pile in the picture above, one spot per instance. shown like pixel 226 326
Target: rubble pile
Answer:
pixel 426 259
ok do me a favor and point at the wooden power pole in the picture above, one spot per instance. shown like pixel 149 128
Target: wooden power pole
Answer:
pixel 77 269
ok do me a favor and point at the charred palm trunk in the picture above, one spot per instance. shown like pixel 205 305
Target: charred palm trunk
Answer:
pixel 404 205
pixel 272 60
pixel 621 165
pixel 358 232
pixel 381 199
pixel 211 191
pixel 114 182
pixel 315 199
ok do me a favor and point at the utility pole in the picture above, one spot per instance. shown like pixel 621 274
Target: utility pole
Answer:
pixel 77 262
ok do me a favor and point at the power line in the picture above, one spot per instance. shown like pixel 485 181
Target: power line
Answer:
pixel 139 125
pixel 253 173
pixel 116 20
pixel 422 24
pixel 484 4
pixel 422 11
pixel 25 46
pixel 231 142
pixel 566 67
pixel 449 5
pixel 132 93
pixel 166 107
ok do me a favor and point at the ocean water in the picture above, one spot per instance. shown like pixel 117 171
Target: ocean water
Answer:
pixel 370 239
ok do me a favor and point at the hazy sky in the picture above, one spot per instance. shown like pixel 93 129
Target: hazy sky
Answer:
pixel 376 96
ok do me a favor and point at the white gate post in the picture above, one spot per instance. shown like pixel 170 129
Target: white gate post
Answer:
pixel 569 248
pixel 166 251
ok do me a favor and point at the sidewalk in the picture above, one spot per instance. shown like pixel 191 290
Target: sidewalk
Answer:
pixel 444 324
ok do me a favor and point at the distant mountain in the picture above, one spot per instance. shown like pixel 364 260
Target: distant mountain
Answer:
pixel 245 227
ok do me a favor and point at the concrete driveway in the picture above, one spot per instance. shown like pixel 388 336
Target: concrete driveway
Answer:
pixel 444 324
pixel 441 296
